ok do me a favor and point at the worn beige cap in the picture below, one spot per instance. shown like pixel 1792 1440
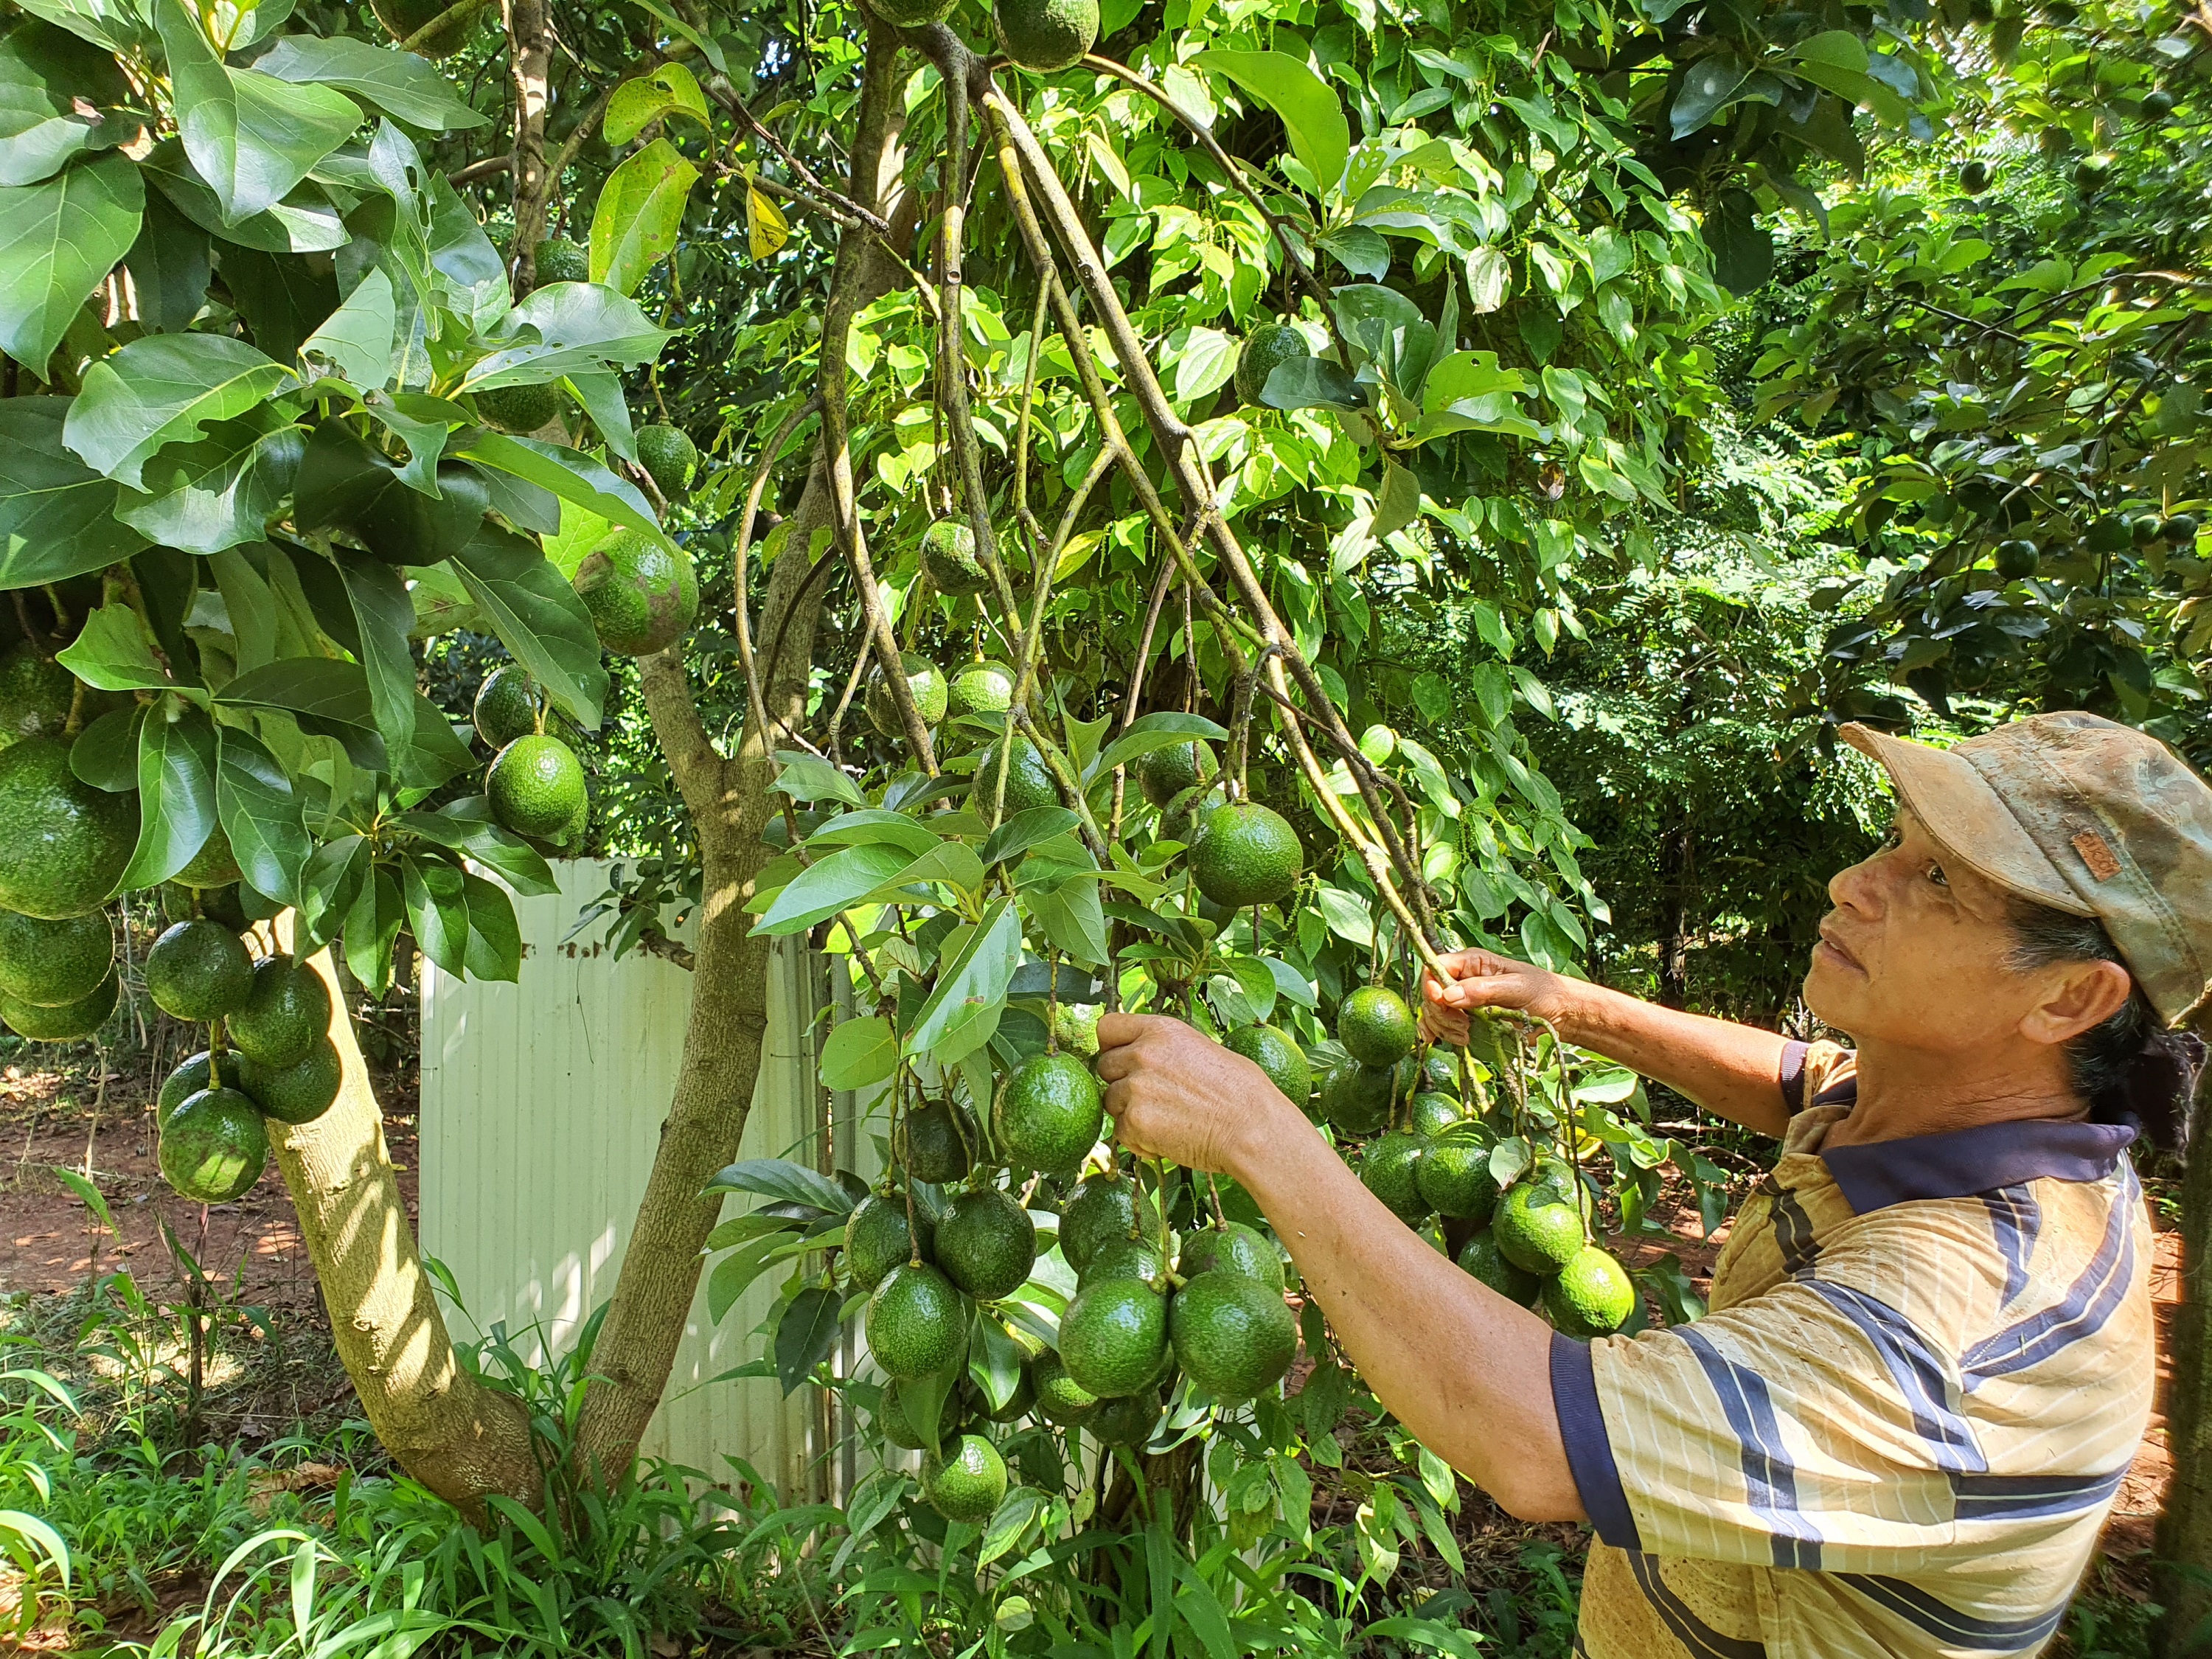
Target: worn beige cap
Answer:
pixel 2084 815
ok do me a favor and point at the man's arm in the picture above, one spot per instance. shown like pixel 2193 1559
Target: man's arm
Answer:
pixel 1465 1370
pixel 1729 1069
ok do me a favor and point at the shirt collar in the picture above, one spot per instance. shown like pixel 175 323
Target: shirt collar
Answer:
pixel 1967 1162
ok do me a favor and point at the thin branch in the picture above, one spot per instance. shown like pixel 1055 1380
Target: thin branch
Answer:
pixel 741 601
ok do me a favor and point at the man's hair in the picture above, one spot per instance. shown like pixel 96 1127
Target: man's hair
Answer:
pixel 2128 1068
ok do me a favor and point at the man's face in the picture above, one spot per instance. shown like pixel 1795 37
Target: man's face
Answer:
pixel 1914 951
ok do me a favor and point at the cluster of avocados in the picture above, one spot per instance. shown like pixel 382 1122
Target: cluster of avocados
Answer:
pixel 1043 36
pixel 1417 1149
pixel 269 1055
pixel 941 1235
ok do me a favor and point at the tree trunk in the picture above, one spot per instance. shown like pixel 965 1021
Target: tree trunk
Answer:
pixel 530 59
pixel 2184 1532
pixel 730 806
pixel 444 1428
pixel 1677 879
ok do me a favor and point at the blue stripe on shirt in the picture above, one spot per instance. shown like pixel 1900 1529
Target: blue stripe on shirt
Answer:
pixel 2015 1218
pixel 1922 1375
pixel 2020 1497
pixel 2091 1300
pixel 1769 1475
pixel 1955 1629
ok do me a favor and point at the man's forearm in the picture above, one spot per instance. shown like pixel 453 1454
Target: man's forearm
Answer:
pixel 1465 1370
pixel 1730 1069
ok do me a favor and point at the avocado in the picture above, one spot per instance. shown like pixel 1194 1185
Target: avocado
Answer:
pixel 65 1023
pixel 898 1428
pixel 1050 1113
pixel 916 1322
pixel 1455 1178
pixel 1102 1207
pixel 1234 1335
pixel 506 706
pixel 643 596
pixel 1481 1257
pixel 198 971
pixel 968 1483
pixel 1029 780
pixel 1376 1026
pixel 189 1079
pixel 1390 1168
pixel 1248 854
pixel 64 844
pixel 924 683
pixel 1282 1060
pixel 1129 1421
pixel 1164 773
pixel 1974 178
pixel 986 1243
pixel 1592 1296
pixel 948 553
pixel 1539 1226
pixel 876 1238
pixel 1045 36
pixel 668 457
pixel 1234 1248
pixel 1356 1098
pixel 52 963
pixel 36 694
pixel 286 1013
pixel 403 20
pixel 213 1146
pixel 2016 561
pixel 518 408
pixel 298 1093
pixel 214 866
pixel 1266 349
pixel 1114 1336
pixel 536 785
pixel 934 1147
pixel 1059 1398
pixel 1432 1113
pixel 560 260
pixel 1127 1258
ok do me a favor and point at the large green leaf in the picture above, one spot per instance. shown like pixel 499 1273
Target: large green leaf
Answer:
pixel 1148 732
pixel 397 82
pixel 466 826
pixel 539 617
pixel 383 613
pixel 372 923
pixel 806 1333
pixel 51 86
pixel 169 266
pixel 176 794
pixel 305 222
pixel 1312 114
pixel 250 136
pixel 221 490
pixel 563 328
pixel 356 338
pixel 672 89
pixel 963 1009
pixel 641 209
pixel 570 474
pixel 59 240
pixel 261 814
pixel 112 24
pixel 437 910
pixel 163 389
pixel 494 947
pixel 111 653
pixel 57 514
pixel 858 1052
pixel 324 694
pixel 821 890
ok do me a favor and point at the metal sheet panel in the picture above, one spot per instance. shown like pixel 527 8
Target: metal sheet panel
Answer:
pixel 542 1106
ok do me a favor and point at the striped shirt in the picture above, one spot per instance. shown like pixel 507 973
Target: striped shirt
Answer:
pixel 1927 1367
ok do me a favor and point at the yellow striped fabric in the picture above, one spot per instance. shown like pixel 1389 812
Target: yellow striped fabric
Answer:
pixel 1927 1367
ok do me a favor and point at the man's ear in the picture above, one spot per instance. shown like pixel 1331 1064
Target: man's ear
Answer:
pixel 2081 995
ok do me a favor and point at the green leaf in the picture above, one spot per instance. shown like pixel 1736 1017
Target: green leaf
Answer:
pixel 162 389
pixel 1161 730
pixel 873 823
pixel 382 614
pixel 672 89
pixel 1027 829
pixel 783 1181
pixel 1009 1523
pixel 324 694
pixel 111 653
pixel 466 826
pixel 735 1274
pixel 260 812
pixel 951 862
pixel 250 136
pixel 821 890
pixel 305 222
pixel 565 328
pixel 437 910
pixel 372 924
pixel 1312 113
pixel 220 490
pixel 570 474
pixel 1710 85
pixel 356 339
pixel 1311 383
pixel 176 794
pixel 1073 919
pixel 112 24
pixel 169 266
pixel 641 209
pixel 539 617
pixel 963 1009
pixel 57 514
pixel 398 84
pixel 858 1053
pixel 59 240
pixel 806 777
pixel 252 605
pixel 806 1333
pixel 494 947
pixel 106 753
pixel 1743 251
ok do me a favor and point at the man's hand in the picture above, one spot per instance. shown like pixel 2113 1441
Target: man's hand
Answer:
pixel 1175 1093
pixel 1482 979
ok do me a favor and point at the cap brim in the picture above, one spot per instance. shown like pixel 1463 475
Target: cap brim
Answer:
pixel 1966 816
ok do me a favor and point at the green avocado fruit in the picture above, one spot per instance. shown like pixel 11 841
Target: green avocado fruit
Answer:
pixel 64 844
pixel 1481 1257
pixel 1455 1178
pixel 1433 1114
pixel 931 1146
pixel 1050 1115
pixel 189 1079
pixel 36 693
pixel 2017 560
pixel 968 1483
pixel 198 971
pixel 536 785
pixel 1539 1226
pixel 1127 1258
pixel 1235 1249
pixel 983 687
pixel 1029 780
pixel 506 706
pixel 1266 349
pixel 1248 854
pixel 213 1146
pixel 298 1093
pixel 1234 1335
pixel 1356 1098
pixel 212 866
pixel 52 963
pixel 948 554
pixel 1059 1398
pixel 1376 1026
pixel 560 260
pixel 65 1023
pixel 1129 1421
pixel 1591 1296
pixel 1101 1207
pixel 1164 773
pixel 1282 1060
pixel 1114 1336
pixel 668 457
pixel 898 1428
pixel 1390 1168
pixel 925 683
pixel 877 1238
pixel 643 596
pixel 518 408
pixel 1045 36
pixel 286 1013
pixel 916 1322
pixel 986 1243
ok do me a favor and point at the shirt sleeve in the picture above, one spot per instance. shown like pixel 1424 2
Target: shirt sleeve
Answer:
pixel 1810 1427
pixel 1809 1070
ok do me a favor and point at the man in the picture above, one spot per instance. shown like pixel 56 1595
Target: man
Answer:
pixel 1929 1357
